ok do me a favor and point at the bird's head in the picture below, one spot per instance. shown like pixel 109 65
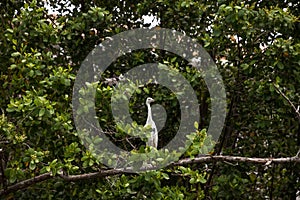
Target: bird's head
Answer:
pixel 149 100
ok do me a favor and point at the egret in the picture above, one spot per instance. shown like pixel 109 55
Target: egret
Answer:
pixel 152 141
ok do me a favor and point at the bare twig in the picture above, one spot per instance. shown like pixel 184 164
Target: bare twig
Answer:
pixel 288 100
pixel 298 153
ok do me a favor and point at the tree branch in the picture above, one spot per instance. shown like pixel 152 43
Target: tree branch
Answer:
pixel 266 161
pixel 288 100
pixel 25 183
pixel 100 174
pixel 103 173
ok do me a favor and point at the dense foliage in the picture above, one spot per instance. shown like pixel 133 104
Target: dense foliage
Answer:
pixel 256 46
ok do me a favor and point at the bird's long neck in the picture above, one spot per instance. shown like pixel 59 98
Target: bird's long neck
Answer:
pixel 149 118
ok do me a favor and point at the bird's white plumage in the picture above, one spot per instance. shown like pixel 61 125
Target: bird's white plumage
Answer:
pixel 153 140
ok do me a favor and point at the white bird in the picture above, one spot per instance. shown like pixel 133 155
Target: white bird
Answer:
pixel 153 140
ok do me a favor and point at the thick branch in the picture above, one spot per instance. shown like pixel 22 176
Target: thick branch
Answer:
pixel 266 161
pixel 102 173
pixel 25 183
pixel 110 172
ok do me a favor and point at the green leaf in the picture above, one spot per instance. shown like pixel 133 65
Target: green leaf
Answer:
pixel 98 140
pixel 280 65
pixel 245 66
pixel 15 42
pixel 10 30
pixel 42 112
pixel 12 176
pixel 31 73
pixel 217 32
pixel 202 180
pixel 196 125
pixel 37 54
pixel 32 165
pixel 192 180
pixel 15 54
pixel 271 88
